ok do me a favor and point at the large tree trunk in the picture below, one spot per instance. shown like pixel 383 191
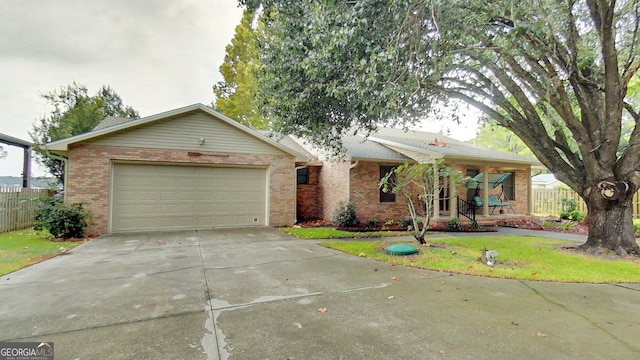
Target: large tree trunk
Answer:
pixel 610 226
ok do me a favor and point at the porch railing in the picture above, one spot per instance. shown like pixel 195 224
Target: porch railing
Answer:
pixel 466 209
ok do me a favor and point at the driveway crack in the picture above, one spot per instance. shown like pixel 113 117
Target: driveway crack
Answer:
pixel 567 309
pixel 211 324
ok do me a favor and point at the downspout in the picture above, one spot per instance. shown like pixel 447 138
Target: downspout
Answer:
pixel 349 179
pixel 295 211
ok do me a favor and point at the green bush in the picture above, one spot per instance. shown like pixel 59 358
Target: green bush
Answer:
pixel 373 223
pixel 636 224
pixel 406 222
pixel 59 219
pixel 345 216
pixel 570 211
pixel 453 225
pixel 577 215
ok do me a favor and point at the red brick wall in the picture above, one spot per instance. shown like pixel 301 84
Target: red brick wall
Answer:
pixel 308 198
pixel 333 187
pixel 89 171
pixel 520 204
pixel 362 184
pixel 365 195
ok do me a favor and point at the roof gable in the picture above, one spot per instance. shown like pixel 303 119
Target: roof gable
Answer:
pixel 189 128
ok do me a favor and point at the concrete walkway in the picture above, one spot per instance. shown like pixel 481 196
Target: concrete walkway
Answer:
pixel 260 294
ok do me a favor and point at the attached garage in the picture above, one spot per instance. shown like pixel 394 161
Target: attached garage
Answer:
pixel 170 197
pixel 186 168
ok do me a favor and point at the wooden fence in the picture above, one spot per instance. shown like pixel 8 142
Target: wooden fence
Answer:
pixel 551 201
pixel 17 207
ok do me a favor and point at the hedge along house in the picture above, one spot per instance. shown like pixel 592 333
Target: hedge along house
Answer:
pixel 366 160
pixel 182 169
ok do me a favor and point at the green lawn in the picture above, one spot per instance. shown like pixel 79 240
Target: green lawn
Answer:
pixel 524 258
pixel 19 249
pixel 520 257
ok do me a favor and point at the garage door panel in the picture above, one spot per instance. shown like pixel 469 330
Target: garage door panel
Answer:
pixel 157 197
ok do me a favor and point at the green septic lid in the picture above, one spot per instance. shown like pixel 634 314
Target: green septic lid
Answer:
pixel 401 249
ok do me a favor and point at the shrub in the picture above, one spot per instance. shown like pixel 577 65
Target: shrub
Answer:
pixel 577 215
pixel 406 222
pixel 59 219
pixel 373 223
pixel 474 225
pixel 636 224
pixel 453 225
pixel 389 222
pixel 345 216
pixel 570 211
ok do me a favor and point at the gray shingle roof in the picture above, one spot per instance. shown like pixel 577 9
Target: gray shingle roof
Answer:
pixel 111 121
pixel 389 144
pixel 446 146
pixel 359 147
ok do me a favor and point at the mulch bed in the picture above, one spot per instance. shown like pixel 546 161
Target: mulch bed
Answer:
pixel 580 228
pixel 395 227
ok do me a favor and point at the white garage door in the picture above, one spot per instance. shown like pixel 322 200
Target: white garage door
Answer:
pixel 163 197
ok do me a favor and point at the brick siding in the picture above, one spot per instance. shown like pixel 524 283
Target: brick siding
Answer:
pixel 365 195
pixel 89 171
pixel 309 200
pixel 333 187
pixel 339 184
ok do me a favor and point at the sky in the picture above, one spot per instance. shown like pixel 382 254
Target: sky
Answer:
pixel 157 55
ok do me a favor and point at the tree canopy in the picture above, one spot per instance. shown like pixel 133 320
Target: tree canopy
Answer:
pixel 236 95
pixel 554 73
pixel 497 138
pixel 74 112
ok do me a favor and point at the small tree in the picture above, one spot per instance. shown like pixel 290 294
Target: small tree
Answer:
pixel 236 94
pixel 74 112
pixel 418 181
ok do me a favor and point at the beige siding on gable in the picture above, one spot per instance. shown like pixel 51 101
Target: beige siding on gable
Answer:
pixel 184 132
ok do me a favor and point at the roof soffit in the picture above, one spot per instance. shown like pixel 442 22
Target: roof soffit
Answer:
pixel 421 156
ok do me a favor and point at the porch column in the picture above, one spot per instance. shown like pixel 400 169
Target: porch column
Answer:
pixel 26 167
pixel 436 193
pixel 453 201
pixel 485 191
pixel 529 193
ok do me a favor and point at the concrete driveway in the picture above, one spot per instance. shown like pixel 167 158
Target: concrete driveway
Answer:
pixel 256 294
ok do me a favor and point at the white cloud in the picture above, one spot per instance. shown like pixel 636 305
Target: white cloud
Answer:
pixel 156 54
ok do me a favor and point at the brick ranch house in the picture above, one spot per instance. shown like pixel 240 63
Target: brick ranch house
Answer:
pixel 193 167
pixel 186 168
pixel 326 184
